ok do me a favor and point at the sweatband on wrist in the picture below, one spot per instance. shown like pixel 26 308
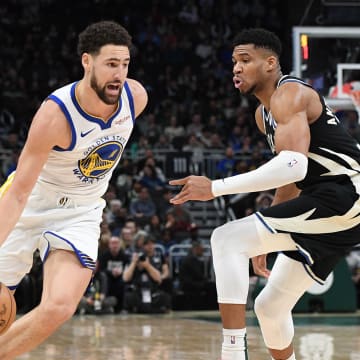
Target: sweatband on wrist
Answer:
pixel 285 168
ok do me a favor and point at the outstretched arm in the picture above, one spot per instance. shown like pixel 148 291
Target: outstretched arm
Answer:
pixel 292 139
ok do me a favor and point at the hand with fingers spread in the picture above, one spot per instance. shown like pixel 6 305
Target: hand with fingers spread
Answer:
pixel 193 188
pixel 259 266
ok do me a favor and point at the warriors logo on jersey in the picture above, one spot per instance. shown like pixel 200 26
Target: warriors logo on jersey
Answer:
pixel 100 160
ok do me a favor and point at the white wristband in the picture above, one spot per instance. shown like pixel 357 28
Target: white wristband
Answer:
pixel 285 168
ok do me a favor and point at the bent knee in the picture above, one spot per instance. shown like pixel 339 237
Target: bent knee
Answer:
pixel 262 307
pixel 217 238
pixel 57 312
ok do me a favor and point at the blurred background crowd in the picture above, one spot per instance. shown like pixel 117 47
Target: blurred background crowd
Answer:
pixel 153 257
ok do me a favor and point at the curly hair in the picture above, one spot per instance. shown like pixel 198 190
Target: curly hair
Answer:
pixel 260 38
pixel 102 33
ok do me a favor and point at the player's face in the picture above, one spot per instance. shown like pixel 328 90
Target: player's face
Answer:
pixel 249 68
pixel 109 72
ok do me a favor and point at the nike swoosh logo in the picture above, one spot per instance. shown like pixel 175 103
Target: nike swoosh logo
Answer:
pixel 84 133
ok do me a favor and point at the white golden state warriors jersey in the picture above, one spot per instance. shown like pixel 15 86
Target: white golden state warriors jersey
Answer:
pixel 85 168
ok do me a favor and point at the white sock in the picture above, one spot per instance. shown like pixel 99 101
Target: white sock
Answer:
pixel 234 345
pixel 292 357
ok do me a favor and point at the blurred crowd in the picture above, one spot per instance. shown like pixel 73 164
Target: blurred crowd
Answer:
pixel 182 54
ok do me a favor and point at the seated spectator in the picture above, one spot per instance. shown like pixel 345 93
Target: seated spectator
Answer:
pixel 96 299
pixel 226 166
pixel 139 240
pixel 104 242
pixel 151 180
pixel 127 237
pixel 150 161
pixel 263 200
pixel 116 216
pixel 179 222
pixel 112 262
pixel 154 227
pixel 113 207
pixel 142 208
pixel 196 147
pixel 174 130
pixel 194 280
pixel 144 275
pixel 163 204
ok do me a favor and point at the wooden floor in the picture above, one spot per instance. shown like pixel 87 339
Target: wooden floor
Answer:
pixel 191 335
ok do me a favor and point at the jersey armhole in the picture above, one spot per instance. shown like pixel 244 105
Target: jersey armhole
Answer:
pixel 69 120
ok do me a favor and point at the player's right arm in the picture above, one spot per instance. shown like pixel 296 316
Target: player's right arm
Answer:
pixel 48 129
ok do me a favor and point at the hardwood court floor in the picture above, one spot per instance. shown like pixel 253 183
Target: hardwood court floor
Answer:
pixel 190 335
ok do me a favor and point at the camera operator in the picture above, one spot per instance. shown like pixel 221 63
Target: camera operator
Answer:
pixel 143 277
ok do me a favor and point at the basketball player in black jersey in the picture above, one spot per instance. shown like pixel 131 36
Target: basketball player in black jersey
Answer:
pixel 314 218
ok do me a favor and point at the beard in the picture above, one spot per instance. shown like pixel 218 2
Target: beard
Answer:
pixel 249 91
pixel 101 92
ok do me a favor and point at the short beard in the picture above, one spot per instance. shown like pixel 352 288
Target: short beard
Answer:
pixel 100 92
pixel 251 91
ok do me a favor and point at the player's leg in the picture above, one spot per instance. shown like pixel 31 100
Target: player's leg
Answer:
pixel 232 246
pixel 287 283
pixel 65 281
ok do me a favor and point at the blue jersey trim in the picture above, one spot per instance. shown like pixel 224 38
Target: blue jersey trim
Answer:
pixel 84 259
pixel 259 216
pixel 70 121
pixel 131 100
pixel 12 287
pixel 103 125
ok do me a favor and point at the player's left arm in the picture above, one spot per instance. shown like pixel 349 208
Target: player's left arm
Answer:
pixel 139 95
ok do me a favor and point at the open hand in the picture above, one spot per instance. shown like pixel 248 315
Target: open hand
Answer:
pixel 193 188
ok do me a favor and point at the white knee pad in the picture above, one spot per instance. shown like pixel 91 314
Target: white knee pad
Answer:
pixel 231 269
pixel 287 283
pixel 232 245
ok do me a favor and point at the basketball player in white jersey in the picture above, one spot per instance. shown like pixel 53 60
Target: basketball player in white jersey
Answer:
pixel 314 218
pixel 53 202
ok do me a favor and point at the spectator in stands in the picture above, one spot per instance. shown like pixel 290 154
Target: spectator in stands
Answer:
pixel 139 240
pixel 142 208
pixel 226 166
pixel 173 129
pixel 152 181
pixel 263 200
pixel 163 143
pixel 194 278
pixel 196 126
pixel 166 240
pixel 178 221
pixel 143 276
pixel 155 227
pixel 127 236
pixel 114 207
pixel 150 161
pixel 118 221
pixel 163 204
pixel 112 262
pixel 104 242
pixel 196 147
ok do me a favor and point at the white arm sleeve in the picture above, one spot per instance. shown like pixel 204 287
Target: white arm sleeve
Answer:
pixel 285 168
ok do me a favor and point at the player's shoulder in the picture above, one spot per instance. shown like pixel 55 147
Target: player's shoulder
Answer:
pixel 292 96
pixel 139 95
pixel 136 87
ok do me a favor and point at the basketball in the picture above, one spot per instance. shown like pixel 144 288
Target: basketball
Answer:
pixel 7 308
